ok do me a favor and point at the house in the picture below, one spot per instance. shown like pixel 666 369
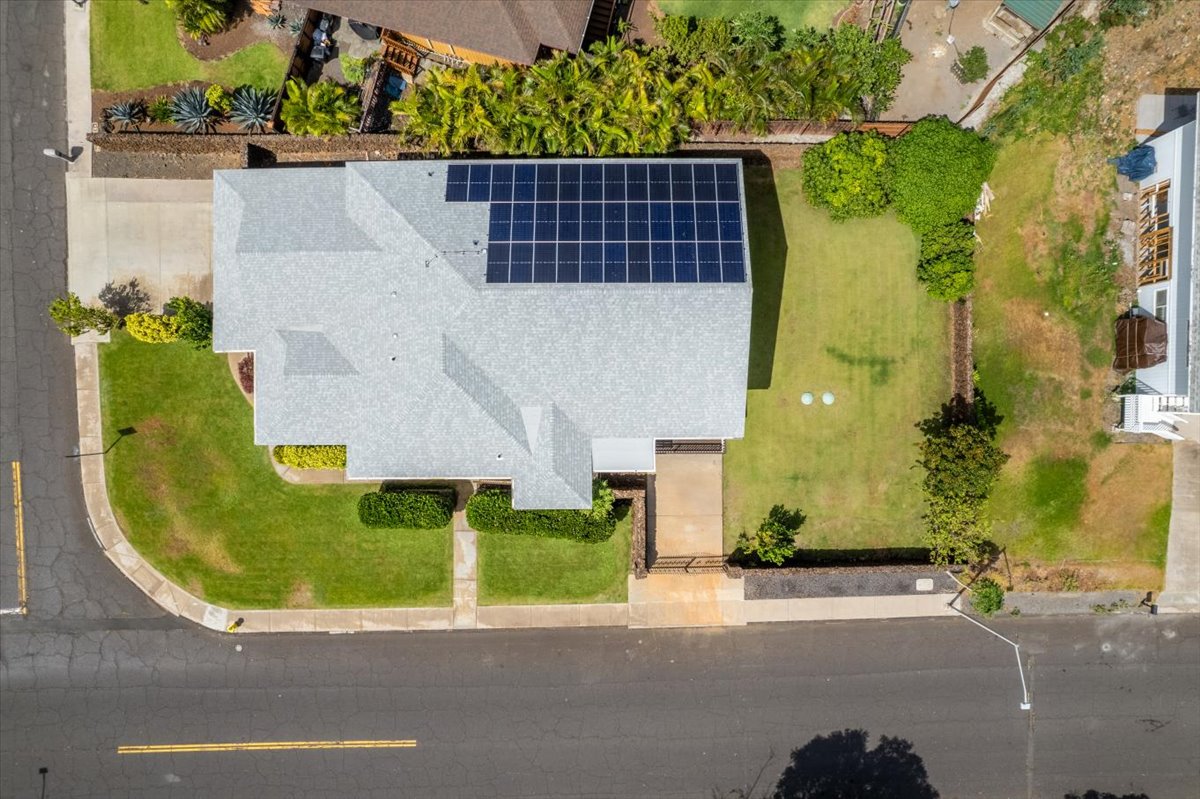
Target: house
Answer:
pixel 456 32
pixel 1162 336
pixel 537 322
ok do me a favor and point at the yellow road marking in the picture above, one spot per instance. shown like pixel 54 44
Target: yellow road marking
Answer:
pixel 19 518
pixel 258 746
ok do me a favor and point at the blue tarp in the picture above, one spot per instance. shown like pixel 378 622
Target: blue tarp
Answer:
pixel 1137 164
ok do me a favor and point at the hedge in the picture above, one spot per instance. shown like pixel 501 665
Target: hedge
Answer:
pixel 491 511
pixel 419 510
pixel 311 456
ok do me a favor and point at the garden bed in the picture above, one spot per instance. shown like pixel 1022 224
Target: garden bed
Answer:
pixel 201 502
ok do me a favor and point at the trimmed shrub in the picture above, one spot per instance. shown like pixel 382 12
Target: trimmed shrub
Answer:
pixel 946 266
pixel 416 510
pixel 491 511
pixel 194 321
pixel 938 171
pixel 74 318
pixel 159 109
pixel 219 98
pixel 311 456
pixel 152 328
pixel 987 596
pixel 775 541
pixel 246 373
pixel 848 175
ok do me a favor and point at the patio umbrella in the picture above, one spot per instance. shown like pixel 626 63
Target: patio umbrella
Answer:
pixel 365 31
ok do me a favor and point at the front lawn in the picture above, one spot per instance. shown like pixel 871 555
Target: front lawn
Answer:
pixel 135 46
pixel 852 320
pixel 791 13
pixel 527 570
pixel 1043 343
pixel 201 502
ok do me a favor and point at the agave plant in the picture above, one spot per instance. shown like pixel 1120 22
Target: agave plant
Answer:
pixel 127 114
pixel 276 21
pixel 296 26
pixel 252 108
pixel 192 112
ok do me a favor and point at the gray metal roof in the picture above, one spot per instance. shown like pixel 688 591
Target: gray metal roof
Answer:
pixel 362 294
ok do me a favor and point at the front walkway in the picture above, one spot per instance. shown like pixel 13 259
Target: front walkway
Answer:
pixel 684 505
pixel 1181 591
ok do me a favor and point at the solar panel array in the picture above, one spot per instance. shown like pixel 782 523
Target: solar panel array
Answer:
pixel 607 222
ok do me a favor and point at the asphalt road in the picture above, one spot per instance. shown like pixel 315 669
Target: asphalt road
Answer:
pixel 1116 707
pixel 570 713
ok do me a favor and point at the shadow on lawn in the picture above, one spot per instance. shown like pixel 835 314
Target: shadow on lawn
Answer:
pixel 768 262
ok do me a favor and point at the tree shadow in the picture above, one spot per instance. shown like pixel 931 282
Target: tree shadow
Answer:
pixel 880 366
pixel 123 299
pixel 980 412
pixel 1094 794
pixel 840 766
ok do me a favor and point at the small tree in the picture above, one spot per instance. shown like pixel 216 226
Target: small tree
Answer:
pixel 955 531
pixel 848 175
pixel 775 540
pixel 987 596
pixel 355 69
pixel 972 65
pixel 938 170
pixel 193 320
pixel 319 109
pixel 74 318
pixel 152 328
pixel 961 462
pixel 946 266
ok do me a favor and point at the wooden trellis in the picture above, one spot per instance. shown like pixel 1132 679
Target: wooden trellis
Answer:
pixel 1154 235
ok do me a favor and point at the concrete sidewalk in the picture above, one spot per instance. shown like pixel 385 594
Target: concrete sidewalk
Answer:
pixel 1181 589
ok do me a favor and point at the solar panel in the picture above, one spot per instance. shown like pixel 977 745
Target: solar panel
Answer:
pixel 640 222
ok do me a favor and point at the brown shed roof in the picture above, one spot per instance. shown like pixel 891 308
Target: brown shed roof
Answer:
pixel 1141 343
pixel 509 29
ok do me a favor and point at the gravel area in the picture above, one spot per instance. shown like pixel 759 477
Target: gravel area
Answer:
pixel 1045 603
pixel 807 583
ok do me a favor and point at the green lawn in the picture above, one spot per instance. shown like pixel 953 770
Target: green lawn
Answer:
pixel 202 503
pixel 1043 343
pixel 135 46
pixel 853 320
pixel 523 570
pixel 791 13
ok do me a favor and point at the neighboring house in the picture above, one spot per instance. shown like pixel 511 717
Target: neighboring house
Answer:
pixel 1019 20
pixel 533 321
pixel 1163 334
pixel 480 31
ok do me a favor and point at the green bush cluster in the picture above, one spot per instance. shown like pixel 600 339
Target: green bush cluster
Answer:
pixel 413 510
pixel 961 463
pixel 311 456
pixel 193 320
pixel 848 175
pixel 987 596
pixel 319 109
pixel 219 98
pixel 152 328
pixel 945 265
pixel 938 170
pixel 491 511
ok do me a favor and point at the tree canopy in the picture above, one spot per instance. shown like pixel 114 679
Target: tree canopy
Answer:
pixel 848 175
pixel 938 171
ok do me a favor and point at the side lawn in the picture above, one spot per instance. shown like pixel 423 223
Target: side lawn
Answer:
pixel 202 503
pixel 854 321
pixel 526 570
pixel 791 13
pixel 135 46
pixel 1069 497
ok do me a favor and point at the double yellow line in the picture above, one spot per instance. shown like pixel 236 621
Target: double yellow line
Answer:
pixel 19 518
pixel 261 746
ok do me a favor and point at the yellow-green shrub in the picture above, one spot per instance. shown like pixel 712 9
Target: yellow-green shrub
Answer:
pixel 152 328
pixel 311 456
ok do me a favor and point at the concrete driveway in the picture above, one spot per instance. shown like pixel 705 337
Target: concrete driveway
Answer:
pixel 158 231
pixel 685 505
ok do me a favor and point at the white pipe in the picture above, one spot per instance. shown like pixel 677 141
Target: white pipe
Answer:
pixel 1025 704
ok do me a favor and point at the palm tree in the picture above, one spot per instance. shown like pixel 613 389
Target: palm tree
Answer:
pixel 200 18
pixel 319 109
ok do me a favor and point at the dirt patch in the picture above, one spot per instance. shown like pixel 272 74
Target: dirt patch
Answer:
pixel 301 596
pixel 155 433
pixel 245 28
pixel 1125 484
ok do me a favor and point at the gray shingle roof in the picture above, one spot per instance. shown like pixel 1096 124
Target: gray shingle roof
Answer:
pixel 511 29
pixel 373 326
